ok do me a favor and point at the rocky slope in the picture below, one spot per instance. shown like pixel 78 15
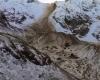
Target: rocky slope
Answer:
pixel 19 60
pixel 49 41
pixel 79 18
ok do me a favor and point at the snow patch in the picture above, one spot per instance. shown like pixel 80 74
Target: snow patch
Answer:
pixel 20 13
pixel 49 1
pixel 72 8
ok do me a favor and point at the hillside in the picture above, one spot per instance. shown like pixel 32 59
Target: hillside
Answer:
pixel 57 41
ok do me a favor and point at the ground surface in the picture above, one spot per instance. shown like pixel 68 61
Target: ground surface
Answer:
pixel 40 51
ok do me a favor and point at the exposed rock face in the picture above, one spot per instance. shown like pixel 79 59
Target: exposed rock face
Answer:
pixel 81 61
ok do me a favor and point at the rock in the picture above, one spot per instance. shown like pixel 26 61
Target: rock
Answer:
pixel 77 18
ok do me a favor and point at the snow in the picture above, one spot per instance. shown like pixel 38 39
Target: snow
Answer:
pixel 16 9
pixel 13 69
pixel 49 1
pixel 1 44
pixel 20 14
pixel 72 8
pixel 89 37
pixel 19 47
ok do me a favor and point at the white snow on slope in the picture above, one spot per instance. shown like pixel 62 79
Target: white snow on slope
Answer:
pixel 72 8
pixel 21 14
pixel 49 1
pixel 14 69
pixel 17 10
